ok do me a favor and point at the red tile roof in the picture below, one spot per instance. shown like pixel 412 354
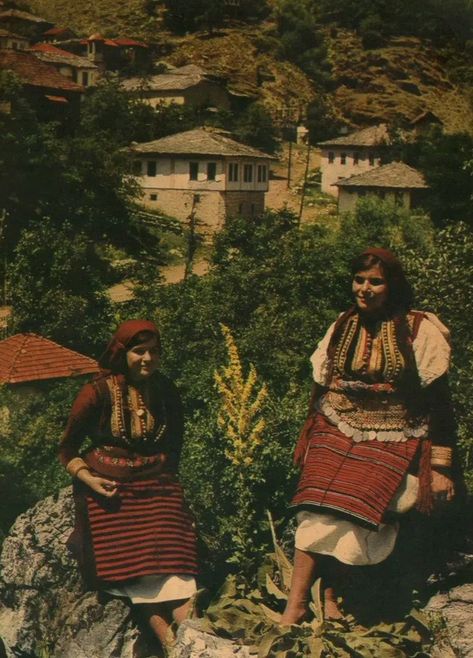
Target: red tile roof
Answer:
pixel 49 53
pixel 54 31
pixel 34 72
pixel 29 358
pixel 130 42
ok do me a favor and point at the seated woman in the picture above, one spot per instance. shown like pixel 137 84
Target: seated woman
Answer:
pixel 378 438
pixel 134 535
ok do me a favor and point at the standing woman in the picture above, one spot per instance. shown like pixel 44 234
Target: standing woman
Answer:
pixel 134 535
pixel 379 435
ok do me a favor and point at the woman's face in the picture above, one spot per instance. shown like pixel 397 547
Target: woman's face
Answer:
pixel 370 289
pixel 143 359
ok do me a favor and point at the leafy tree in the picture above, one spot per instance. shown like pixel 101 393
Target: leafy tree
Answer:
pixel 255 126
pixel 56 286
pixel 32 424
pixel 444 160
pixel 302 41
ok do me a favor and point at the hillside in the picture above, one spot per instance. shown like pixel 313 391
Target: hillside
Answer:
pixel 397 81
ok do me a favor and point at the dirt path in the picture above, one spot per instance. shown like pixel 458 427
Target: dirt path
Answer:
pixel 280 193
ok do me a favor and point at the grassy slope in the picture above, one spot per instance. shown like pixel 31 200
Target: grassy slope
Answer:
pixel 402 79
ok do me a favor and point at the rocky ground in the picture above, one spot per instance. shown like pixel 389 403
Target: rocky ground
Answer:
pixel 45 612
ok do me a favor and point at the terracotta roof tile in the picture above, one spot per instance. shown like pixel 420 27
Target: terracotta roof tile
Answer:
pixel 49 53
pixel 393 175
pixel 373 136
pixel 123 41
pixel 28 358
pixel 199 142
pixel 34 72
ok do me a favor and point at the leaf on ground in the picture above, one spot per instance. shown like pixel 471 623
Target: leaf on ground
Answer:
pixel 274 590
pixel 271 614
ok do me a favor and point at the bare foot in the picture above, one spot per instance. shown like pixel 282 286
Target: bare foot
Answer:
pixel 293 615
pixel 331 609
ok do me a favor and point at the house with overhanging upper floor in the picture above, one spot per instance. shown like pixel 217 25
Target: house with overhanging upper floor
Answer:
pixel 351 154
pixel 204 172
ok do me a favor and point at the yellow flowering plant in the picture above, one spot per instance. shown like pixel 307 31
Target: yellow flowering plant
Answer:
pixel 241 420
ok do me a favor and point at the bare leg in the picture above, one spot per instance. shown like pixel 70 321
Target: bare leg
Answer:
pixel 303 576
pixel 331 609
pixel 159 619
pixel 180 609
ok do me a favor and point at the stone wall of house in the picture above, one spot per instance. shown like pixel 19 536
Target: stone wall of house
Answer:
pixel 244 203
pixel 209 206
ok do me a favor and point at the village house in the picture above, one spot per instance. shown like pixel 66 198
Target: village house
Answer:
pixel 12 41
pixel 27 359
pixel 117 53
pixel 396 182
pixel 57 34
pixel 203 172
pixel 52 95
pixel 186 85
pixel 22 22
pixel 351 154
pixel 75 68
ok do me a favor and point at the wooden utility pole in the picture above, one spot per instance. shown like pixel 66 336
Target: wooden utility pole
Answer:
pixel 304 184
pixel 192 237
pixel 289 165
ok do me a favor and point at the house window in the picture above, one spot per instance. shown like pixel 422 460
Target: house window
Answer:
pixel 211 170
pixel 136 168
pixel 233 172
pixel 399 198
pixel 356 158
pixel 331 157
pixel 153 197
pixel 85 78
pixel 262 174
pixel 343 158
pixel 151 168
pixel 193 170
pixel 248 173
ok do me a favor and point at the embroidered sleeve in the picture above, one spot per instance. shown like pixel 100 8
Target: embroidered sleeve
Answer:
pixel 431 351
pixel 82 420
pixel 320 360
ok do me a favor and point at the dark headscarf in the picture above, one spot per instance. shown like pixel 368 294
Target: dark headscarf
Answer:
pixel 113 358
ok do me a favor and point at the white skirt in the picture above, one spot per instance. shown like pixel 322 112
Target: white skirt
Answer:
pixel 349 542
pixel 157 589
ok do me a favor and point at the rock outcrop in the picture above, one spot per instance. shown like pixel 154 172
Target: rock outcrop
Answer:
pixel 44 609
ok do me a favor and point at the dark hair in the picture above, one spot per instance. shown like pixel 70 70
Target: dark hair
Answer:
pixel 143 337
pixel 400 294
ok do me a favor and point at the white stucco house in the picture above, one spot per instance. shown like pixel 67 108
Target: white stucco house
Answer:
pixel 202 171
pixel 395 181
pixel 351 154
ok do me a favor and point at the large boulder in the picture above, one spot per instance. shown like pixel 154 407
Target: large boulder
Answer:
pixel 44 608
pixel 42 602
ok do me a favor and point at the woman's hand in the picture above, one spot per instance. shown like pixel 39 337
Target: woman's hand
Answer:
pixel 442 486
pixel 98 484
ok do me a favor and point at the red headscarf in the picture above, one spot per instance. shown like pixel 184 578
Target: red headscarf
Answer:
pixel 113 357
pixel 385 256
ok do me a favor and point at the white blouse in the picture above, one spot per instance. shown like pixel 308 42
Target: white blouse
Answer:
pixel 431 352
